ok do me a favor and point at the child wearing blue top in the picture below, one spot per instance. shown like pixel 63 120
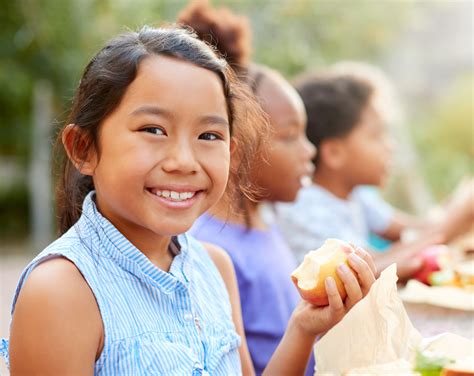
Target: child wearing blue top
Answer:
pixel 354 150
pixel 124 290
pixel 261 257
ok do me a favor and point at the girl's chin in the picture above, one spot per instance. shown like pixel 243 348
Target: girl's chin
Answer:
pixel 168 225
pixel 288 196
pixel 171 230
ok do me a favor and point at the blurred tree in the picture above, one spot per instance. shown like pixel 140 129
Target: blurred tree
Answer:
pixel 49 40
pixel 295 35
pixel 445 138
pixel 31 50
pixel 52 40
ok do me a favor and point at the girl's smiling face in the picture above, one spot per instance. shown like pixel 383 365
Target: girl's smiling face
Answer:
pixel 164 152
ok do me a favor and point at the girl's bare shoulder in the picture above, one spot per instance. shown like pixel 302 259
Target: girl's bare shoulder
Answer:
pixel 220 257
pixel 59 280
pixel 56 308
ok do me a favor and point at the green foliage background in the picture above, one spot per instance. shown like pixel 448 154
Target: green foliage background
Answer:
pixel 53 40
pixel 445 137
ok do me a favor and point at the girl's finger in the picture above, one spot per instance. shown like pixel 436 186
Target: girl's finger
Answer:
pixel 335 302
pixel 351 284
pixel 367 258
pixel 364 272
pixel 362 253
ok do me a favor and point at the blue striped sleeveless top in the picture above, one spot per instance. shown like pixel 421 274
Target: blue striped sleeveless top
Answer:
pixel 155 322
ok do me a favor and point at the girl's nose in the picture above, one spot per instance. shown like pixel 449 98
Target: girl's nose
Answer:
pixel 309 148
pixel 180 157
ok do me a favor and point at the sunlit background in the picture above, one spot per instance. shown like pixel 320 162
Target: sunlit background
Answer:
pixel 425 48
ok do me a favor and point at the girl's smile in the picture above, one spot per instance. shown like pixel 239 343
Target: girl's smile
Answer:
pixel 176 197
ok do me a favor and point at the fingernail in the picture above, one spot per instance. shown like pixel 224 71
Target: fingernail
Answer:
pixel 347 250
pixel 354 258
pixel 330 285
pixel 358 249
pixel 343 268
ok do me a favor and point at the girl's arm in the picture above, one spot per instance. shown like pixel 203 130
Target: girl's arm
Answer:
pixel 224 264
pixel 401 221
pixel 308 321
pixel 56 326
pixel 456 215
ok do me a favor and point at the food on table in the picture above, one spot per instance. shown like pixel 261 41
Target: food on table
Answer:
pixel 434 259
pixel 429 363
pixel 465 272
pixel 444 278
pixel 462 367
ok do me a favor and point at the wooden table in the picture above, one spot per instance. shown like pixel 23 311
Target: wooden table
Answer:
pixel 431 320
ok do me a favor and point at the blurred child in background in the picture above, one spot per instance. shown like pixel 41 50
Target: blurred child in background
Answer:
pixel 354 150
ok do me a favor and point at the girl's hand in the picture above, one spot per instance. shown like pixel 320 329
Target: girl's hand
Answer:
pixel 311 320
pixel 308 321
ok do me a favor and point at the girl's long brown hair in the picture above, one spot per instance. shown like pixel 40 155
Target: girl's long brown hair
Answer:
pixel 102 86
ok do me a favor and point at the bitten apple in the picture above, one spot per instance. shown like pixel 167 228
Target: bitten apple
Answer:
pixel 317 265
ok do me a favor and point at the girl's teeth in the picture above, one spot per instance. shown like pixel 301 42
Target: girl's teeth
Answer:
pixel 306 181
pixel 175 196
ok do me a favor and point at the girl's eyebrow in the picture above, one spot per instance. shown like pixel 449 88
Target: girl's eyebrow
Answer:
pixel 290 123
pixel 214 119
pixel 156 110
pixel 151 109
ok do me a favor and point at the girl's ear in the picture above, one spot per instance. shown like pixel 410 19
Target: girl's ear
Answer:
pixel 79 149
pixel 233 145
pixel 332 153
pixel 234 160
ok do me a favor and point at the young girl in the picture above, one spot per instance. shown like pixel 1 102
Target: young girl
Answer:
pixel 149 141
pixel 261 257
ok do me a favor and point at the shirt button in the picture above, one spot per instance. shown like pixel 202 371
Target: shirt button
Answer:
pixel 188 316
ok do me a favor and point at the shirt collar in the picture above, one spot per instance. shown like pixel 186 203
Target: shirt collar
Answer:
pixel 129 257
pixel 328 195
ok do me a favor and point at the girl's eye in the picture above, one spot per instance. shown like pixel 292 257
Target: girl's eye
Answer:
pixel 290 137
pixel 154 130
pixel 210 136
